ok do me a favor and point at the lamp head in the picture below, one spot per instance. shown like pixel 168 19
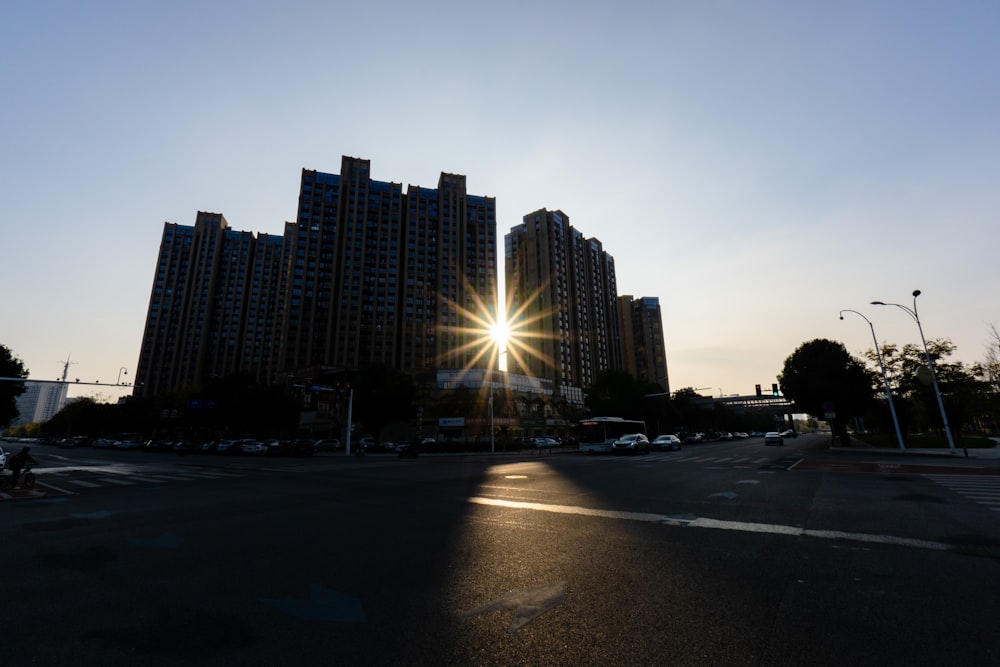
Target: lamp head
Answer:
pixel 841 317
pixel 916 293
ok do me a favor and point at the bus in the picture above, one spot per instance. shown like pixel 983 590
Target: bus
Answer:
pixel 598 433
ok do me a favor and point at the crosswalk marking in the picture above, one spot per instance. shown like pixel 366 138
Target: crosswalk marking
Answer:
pixel 115 480
pixel 212 475
pixel 80 482
pixel 981 489
pixel 673 458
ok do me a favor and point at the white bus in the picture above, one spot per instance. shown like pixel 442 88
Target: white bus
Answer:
pixel 598 433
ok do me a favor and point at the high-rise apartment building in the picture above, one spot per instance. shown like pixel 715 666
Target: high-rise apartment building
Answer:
pixel 366 274
pixel 563 289
pixel 379 275
pixel 213 307
pixel 40 402
pixel 643 349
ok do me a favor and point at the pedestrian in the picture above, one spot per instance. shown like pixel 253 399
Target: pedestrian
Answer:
pixel 18 462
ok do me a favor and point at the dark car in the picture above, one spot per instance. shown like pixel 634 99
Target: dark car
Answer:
pixel 328 445
pixel 632 443
pixel 408 448
pixel 278 448
pixel 303 448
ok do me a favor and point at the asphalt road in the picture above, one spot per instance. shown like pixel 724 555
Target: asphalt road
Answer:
pixel 720 554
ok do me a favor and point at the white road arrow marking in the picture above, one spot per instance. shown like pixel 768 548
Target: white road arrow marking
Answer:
pixel 527 603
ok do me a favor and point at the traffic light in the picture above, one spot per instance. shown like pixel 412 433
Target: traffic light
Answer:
pixel 774 389
pixel 758 391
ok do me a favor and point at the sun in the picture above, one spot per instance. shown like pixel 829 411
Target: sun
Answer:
pixel 500 333
pixel 492 337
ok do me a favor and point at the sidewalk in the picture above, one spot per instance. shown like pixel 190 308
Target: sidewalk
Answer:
pixel 985 453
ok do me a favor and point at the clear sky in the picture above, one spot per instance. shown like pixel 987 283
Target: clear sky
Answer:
pixel 758 166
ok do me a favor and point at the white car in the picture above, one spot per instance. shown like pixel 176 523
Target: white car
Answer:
pixel 671 442
pixel 3 458
pixel 544 443
pixel 633 443
pixel 773 438
pixel 254 448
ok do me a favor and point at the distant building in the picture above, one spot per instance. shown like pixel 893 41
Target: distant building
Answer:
pixel 643 350
pixel 366 274
pixel 40 402
pixel 213 308
pixel 564 286
pixel 379 275
pixel 371 272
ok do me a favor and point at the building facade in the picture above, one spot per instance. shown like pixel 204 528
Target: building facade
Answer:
pixel 366 274
pixel 643 349
pixel 563 290
pixel 382 276
pixel 213 307
pixel 40 402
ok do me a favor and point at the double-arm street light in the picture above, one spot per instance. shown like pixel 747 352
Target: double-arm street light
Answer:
pixel 120 371
pixel 885 378
pixel 912 312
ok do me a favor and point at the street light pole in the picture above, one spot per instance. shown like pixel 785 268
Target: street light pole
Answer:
pixel 885 378
pixel 912 312
pixel 493 446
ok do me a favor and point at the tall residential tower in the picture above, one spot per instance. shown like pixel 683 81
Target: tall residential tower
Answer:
pixel 563 287
pixel 367 274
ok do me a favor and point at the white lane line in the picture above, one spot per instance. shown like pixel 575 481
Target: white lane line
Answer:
pixel 695 522
pixel 116 480
pixel 175 478
pixel 80 482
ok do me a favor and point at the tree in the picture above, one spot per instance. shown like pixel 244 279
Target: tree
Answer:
pixel 618 394
pixel 822 372
pixel 10 367
pixel 968 400
pixel 991 361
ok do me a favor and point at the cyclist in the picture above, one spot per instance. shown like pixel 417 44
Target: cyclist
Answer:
pixel 17 462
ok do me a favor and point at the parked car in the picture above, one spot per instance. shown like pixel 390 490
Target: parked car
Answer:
pixel 773 438
pixel 670 442
pixel 544 443
pixel 632 443
pixel 254 447
pixel 328 445
pixel 278 447
pixel 692 438
pixel 229 447
pixel 407 448
pixel 789 433
pixel 303 448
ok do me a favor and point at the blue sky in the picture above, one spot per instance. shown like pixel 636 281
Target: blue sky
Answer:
pixel 758 166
